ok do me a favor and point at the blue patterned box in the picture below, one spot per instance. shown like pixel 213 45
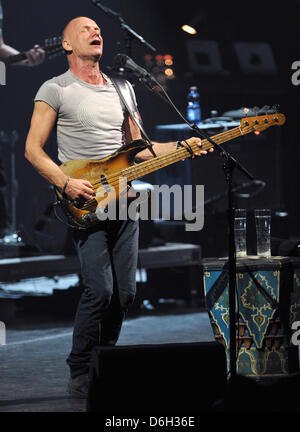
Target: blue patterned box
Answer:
pixel 267 303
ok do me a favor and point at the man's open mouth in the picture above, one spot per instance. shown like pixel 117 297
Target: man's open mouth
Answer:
pixel 95 42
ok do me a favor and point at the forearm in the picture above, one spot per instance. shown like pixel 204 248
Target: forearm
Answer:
pixel 45 165
pixel 193 145
pixel 6 50
pixel 132 132
pixel 159 149
pixel 34 57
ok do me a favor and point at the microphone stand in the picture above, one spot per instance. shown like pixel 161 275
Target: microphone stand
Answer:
pixel 13 237
pixel 229 166
pixel 130 34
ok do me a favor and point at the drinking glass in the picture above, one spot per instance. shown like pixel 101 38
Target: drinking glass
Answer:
pixel 263 232
pixel 240 224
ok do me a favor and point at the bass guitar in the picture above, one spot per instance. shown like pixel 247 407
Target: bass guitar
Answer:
pixel 106 174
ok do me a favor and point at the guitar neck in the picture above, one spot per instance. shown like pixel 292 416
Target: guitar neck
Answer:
pixel 14 58
pixel 143 168
pixel 52 46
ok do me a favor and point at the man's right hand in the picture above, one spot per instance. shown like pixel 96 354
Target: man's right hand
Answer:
pixel 78 188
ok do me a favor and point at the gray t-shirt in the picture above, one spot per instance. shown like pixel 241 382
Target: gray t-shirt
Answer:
pixel 90 118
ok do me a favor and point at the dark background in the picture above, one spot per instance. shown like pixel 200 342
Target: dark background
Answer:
pixel 30 22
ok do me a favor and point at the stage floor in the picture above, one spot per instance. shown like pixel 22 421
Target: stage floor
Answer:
pixel 33 371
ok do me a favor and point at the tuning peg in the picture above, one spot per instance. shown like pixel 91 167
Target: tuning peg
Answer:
pixel 246 111
pixel 275 108
pixel 255 110
pixel 265 109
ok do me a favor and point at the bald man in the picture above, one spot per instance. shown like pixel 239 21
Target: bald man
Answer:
pixel 91 123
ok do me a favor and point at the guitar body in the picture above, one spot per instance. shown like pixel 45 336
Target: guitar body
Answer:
pixel 106 175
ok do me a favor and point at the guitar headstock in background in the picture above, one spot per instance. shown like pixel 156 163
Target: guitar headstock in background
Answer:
pixel 53 46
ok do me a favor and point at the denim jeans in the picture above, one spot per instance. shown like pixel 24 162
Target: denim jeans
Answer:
pixel 108 258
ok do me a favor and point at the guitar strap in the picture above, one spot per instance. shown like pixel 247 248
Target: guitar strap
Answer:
pixel 125 93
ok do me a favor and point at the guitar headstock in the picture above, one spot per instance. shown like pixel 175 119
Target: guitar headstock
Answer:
pixel 263 121
pixel 53 46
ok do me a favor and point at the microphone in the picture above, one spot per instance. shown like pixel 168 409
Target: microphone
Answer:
pixel 122 60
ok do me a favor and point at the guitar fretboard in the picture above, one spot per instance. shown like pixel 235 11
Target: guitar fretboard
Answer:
pixel 14 58
pixel 143 168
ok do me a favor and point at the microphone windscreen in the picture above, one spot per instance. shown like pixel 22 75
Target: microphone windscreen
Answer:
pixel 120 60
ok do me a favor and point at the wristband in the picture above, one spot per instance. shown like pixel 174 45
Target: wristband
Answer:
pixel 189 148
pixel 65 186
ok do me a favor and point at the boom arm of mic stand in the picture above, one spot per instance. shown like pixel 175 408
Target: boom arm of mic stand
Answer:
pixel 131 32
pixel 118 19
pixel 114 15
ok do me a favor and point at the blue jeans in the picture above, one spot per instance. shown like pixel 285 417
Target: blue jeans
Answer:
pixel 108 258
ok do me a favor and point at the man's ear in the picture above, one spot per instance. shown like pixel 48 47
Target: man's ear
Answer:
pixel 67 46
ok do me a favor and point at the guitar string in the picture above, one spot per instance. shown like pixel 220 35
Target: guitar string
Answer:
pixel 165 160
pixel 177 154
pixel 170 158
pixel 141 170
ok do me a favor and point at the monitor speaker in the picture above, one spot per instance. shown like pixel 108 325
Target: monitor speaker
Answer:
pixel 174 377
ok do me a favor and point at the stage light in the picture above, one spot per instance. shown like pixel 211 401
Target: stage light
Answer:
pixel 168 60
pixel 189 29
pixel 161 67
pixel 169 72
pixel 257 132
pixel 198 20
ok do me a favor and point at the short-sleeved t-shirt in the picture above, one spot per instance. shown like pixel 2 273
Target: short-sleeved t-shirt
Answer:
pixel 90 118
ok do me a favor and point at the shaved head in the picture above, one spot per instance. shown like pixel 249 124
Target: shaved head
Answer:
pixel 69 25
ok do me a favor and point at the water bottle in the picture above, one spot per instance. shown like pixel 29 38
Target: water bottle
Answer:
pixel 193 106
